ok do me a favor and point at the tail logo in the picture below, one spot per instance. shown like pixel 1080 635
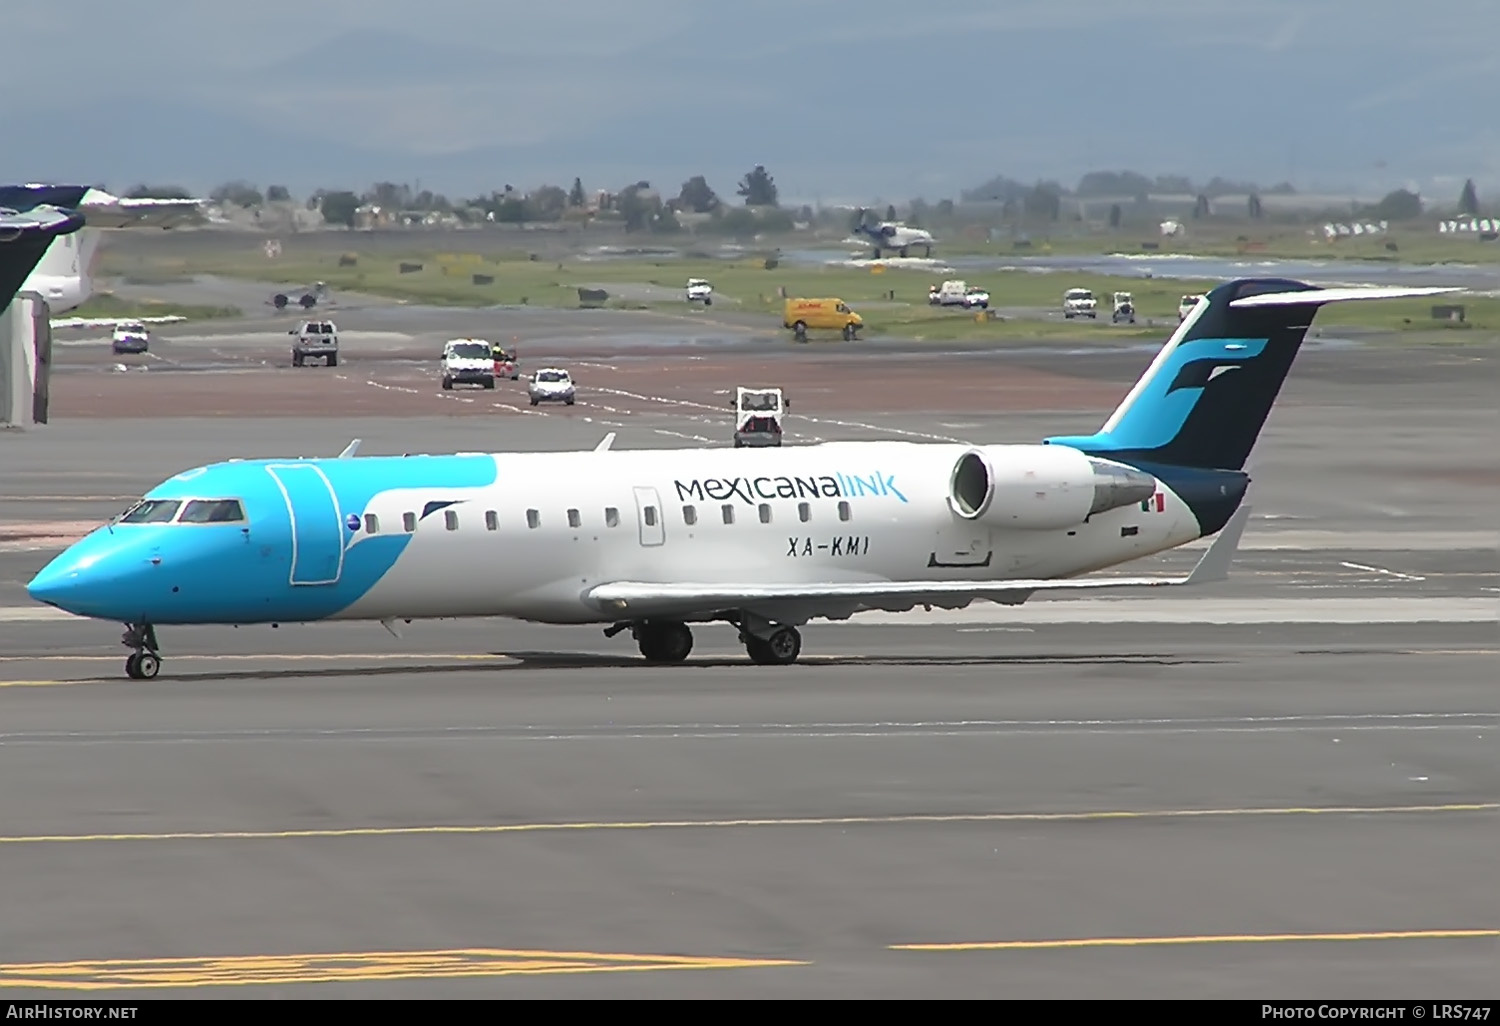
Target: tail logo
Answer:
pixel 1198 373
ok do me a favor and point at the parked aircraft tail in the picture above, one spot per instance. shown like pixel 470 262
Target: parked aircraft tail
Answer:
pixel 24 238
pixel 1204 399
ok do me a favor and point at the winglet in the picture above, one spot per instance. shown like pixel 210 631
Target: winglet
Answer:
pixel 350 450
pixel 1214 566
pixel 604 443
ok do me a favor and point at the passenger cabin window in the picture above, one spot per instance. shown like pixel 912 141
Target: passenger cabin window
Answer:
pixel 151 511
pixel 491 521
pixel 728 514
pixel 372 524
pixel 611 517
pixel 533 518
pixel 450 517
pixel 212 511
pixel 573 519
pixel 689 515
pixel 843 511
pixel 409 521
pixel 765 513
pixel 650 514
pixel 804 512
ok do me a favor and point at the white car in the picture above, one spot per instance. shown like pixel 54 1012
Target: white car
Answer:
pixel 551 385
pixel 468 361
pixel 130 337
pixel 1079 303
pixel 700 291
pixel 1186 307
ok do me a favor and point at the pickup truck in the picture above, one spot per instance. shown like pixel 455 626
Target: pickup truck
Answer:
pixel 699 290
pixel 315 339
pixel 1079 303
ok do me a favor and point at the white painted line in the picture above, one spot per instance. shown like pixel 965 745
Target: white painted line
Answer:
pixel 1362 541
pixel 1383 570
pixel 1200 611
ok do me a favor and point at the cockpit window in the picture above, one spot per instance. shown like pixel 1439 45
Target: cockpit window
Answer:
pixel 151 511
pixel 212 511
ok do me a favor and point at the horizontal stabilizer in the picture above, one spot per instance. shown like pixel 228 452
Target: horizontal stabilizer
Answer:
pixel 643 598
pixel 1317 297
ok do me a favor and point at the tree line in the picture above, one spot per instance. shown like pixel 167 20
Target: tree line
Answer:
pixel 638 205
pixel 642 208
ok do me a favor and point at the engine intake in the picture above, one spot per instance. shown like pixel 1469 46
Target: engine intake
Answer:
pixel 1041 487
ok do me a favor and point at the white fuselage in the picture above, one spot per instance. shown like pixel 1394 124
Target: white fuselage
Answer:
pixel 836 512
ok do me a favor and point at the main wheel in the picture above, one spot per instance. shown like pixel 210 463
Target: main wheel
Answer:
pixel 333 360
pixel 665 642
pixel 147 665
pixel 779 649
pixel 448 384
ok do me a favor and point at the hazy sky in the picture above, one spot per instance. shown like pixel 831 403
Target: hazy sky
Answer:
pixel 840 99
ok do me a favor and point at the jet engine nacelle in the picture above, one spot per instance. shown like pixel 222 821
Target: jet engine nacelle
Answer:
pixel 1041 487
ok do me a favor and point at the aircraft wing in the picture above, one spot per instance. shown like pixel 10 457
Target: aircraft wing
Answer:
pixel 801 601
pixel 101 210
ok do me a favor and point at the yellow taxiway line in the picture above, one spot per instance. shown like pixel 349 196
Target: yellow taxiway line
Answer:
pixel 241 970
pixel 1232 938
pixel 681 824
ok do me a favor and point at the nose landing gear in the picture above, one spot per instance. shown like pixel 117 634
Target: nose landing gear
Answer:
pixel 144 661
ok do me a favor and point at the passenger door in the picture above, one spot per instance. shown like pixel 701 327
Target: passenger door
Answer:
pixel 316 529
pixel 648 513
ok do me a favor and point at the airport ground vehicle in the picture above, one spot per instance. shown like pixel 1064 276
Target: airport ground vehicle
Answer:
pixel 1124 308
pixel 804 315
pixel 1186 306
pixel 130 337
pixel 307 300
pixel 315 340
pixel 700 291
pixel 507 363
pixel 468 361
pixel 958 293
pixel 758 416
pixel 1079 303
pixel 551 385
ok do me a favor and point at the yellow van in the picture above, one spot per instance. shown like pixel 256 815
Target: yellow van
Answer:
pixel 802 315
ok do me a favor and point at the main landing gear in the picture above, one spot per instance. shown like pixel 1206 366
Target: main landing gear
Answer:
pixel 670 641
pixel 144 661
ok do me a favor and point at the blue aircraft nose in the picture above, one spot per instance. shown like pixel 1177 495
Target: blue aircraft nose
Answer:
pixel 98 576
pixel 52 585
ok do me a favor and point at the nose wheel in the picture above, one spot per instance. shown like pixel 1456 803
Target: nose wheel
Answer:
pixel 142 666
pixel 144 662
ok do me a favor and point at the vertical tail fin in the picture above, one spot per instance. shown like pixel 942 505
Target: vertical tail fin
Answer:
pixel 24 239
pixel 1206 396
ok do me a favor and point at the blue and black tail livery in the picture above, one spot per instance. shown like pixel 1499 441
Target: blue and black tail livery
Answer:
pixel 1204 399
pixel 30 218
